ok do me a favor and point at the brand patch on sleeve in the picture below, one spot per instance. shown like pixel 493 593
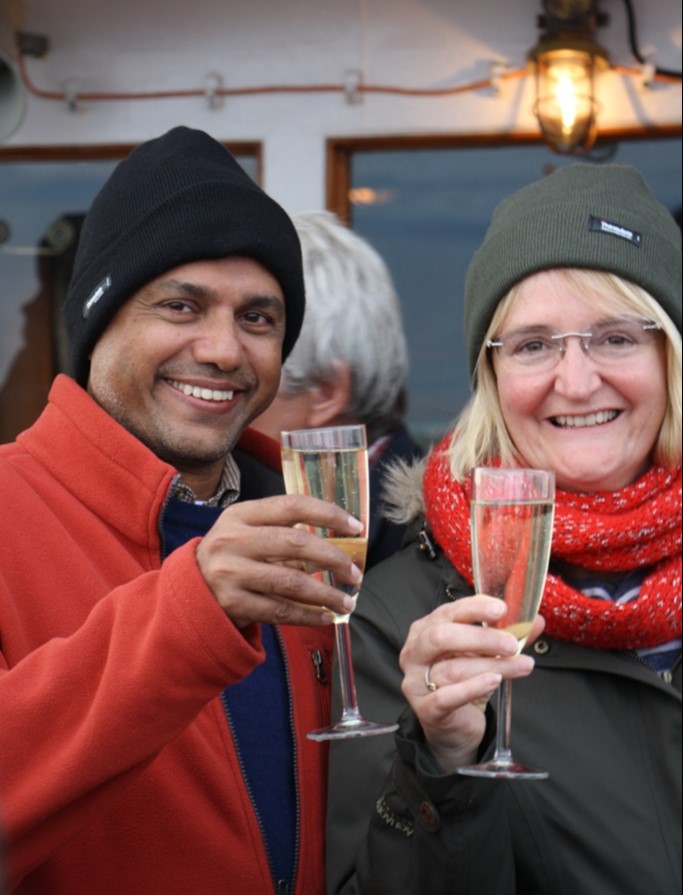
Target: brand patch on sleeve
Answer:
pixel 601 225
pixel 99 291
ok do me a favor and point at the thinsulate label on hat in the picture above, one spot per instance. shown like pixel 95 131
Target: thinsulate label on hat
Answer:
pixel 100 289
pixel 602 225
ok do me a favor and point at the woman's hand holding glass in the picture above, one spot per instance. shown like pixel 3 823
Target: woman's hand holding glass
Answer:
pixel 457 650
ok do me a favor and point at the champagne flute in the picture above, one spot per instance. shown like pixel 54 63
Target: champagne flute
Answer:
pixel 332 464
pixel 512 519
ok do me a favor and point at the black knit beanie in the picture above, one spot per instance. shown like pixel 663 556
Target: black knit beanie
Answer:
pixel 599 217
pixel 179 198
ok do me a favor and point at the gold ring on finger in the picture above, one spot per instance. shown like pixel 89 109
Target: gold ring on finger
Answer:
pixel 429 683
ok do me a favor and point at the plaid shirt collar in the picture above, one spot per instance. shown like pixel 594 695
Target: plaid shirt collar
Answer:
pixel 227 492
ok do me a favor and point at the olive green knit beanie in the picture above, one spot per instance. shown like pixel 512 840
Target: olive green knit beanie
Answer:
pixel 600 217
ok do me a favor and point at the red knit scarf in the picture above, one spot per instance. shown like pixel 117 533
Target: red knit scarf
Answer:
pixel 636 527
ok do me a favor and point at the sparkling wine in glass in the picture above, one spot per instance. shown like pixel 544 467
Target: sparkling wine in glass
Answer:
pixel 512 520
pixel 332 464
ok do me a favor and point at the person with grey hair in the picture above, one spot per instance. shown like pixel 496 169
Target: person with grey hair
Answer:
pixel 350 362
pixel 573 329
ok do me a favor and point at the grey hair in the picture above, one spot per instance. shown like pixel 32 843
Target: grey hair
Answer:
pixel 352 314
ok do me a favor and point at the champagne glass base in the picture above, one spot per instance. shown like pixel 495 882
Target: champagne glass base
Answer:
pixel 344 730
pixel 503 770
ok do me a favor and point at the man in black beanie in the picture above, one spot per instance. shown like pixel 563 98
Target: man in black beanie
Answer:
pixel 163 651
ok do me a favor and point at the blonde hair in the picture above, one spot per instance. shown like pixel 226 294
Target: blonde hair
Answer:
pixel 480 435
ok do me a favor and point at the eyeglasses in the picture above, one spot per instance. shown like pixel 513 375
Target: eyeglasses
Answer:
pixel 609 342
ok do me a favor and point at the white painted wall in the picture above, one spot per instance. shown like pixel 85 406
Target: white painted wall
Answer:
pixel 137 45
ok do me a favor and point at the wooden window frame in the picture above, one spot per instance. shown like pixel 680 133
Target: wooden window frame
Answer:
pixel 340 149
pixel 109 152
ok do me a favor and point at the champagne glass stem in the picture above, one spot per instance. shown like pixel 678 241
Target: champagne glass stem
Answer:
pixel 350 711
pixel 503 753
pixel 503 765
pixel 351 723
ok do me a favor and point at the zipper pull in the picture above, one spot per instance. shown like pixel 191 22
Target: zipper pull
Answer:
pixel 424 543
pixel 281 887
pixel 320 673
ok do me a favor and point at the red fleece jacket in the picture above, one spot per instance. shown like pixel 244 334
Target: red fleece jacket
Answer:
pixel 118 772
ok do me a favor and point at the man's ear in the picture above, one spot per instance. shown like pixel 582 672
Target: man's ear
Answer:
pixel 330 399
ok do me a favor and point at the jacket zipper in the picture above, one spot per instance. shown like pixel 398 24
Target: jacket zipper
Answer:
pixel 666 675
pixel 319 665
pixel 162 513
pixel 281 886
pixel 249 791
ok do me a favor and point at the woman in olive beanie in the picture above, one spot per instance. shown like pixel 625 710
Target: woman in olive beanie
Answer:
pixel 573 323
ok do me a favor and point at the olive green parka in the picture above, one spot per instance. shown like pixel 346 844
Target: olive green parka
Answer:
pixel 607 728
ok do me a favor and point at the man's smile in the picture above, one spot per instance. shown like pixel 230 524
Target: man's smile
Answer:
pixel 206 394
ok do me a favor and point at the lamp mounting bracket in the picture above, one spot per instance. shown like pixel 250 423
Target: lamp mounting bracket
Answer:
pixel 567 16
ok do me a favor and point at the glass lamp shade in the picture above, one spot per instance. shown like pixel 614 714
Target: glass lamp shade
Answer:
pixel 565 103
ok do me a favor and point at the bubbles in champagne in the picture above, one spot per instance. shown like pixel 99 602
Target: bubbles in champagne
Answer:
pixel 510 555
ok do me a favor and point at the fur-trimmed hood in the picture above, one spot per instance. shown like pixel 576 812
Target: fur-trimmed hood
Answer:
pixel 402 494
